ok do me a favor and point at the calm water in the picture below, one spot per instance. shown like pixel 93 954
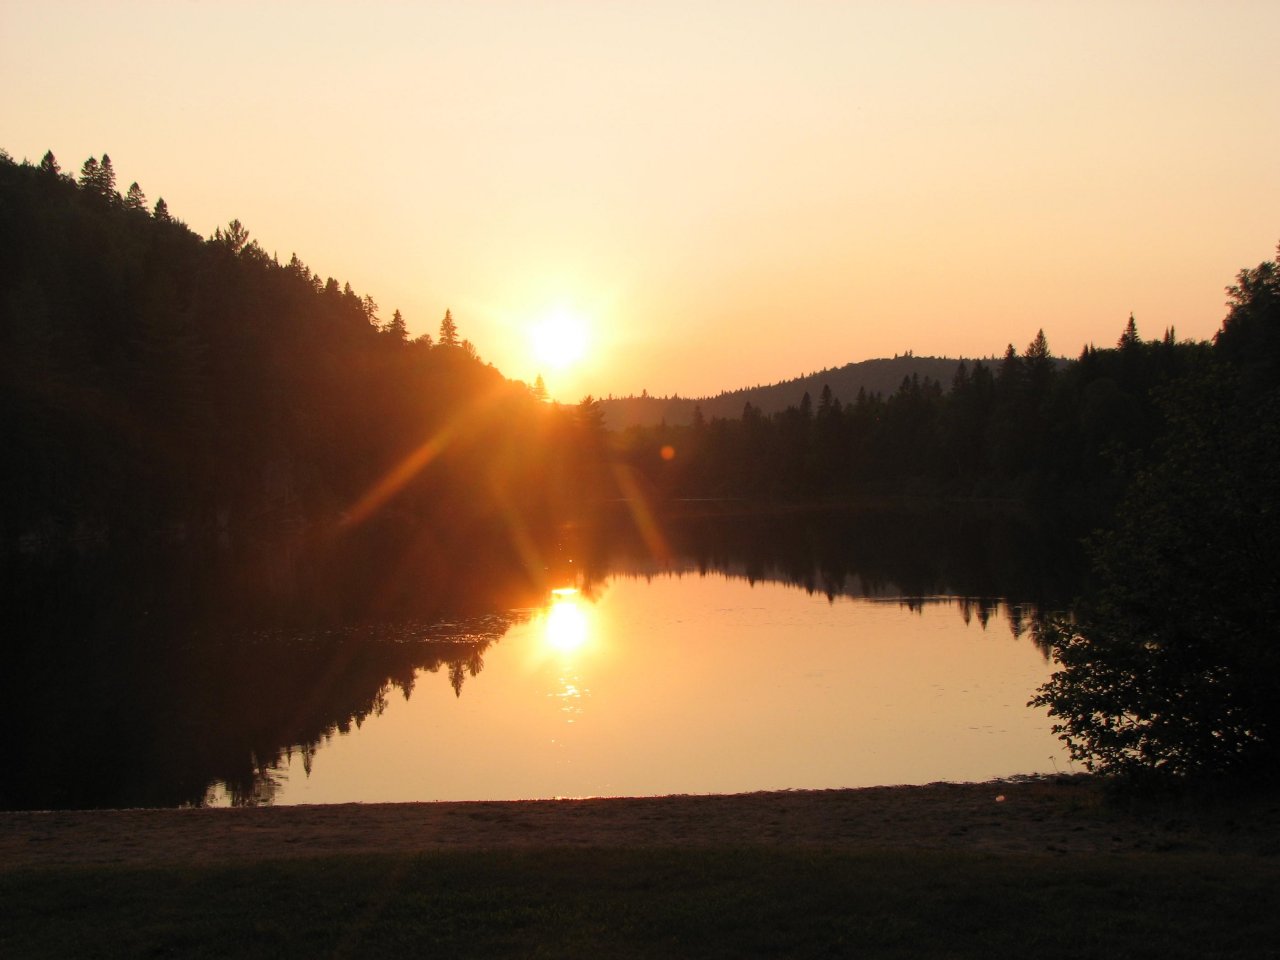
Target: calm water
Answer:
pixel 698 684
pixel 708 655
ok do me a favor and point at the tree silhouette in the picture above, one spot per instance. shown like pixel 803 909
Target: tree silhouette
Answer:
pixel 1170 668
pixel 448 331
pixel 396 328
pixel 135 199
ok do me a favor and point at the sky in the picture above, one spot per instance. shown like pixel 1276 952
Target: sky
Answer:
pixel 717 194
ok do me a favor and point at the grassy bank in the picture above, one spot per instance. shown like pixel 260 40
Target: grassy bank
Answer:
pixel 707 902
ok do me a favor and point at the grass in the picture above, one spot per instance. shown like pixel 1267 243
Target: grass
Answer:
pixel 740 902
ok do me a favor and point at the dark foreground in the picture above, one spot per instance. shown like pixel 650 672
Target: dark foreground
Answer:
pixel 947 870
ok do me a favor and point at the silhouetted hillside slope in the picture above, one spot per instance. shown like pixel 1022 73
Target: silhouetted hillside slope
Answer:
pixel 157 386
pixel 882 376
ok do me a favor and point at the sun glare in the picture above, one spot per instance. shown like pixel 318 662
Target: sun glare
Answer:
pixel 559 339
pixel 566 624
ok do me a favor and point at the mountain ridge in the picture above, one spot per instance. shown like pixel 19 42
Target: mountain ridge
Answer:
pixel 879 375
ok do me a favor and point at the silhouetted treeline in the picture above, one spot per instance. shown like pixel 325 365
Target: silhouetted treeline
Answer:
pixel 1170 665
pixel 1027 427
pixel 914 553
pixel 879 375
pixel 157 387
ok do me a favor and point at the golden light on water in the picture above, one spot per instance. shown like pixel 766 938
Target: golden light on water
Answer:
pixel 567 626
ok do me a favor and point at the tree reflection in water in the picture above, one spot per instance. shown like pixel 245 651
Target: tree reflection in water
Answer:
pixel 141 692
pixel 162 721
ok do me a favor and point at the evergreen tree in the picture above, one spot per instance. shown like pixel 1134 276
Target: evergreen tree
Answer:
pixel 162 211
pixel 448 331
pixel 234 238
pixel 89 175
pixel 107 179
pixel 1129 339
pixel 49 164
pixel 135 199
pixel 370 308
pixel 396 328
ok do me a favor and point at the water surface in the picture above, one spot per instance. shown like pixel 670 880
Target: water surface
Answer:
pixel 700 684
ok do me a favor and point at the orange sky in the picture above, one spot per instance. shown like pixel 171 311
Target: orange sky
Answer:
pixel 725 193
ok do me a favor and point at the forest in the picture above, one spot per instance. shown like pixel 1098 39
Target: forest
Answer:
pixel 165 395
pixel 1027 428
pixel 162 390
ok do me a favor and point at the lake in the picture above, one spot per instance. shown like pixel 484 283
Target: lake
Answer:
pixel 702 684
pixel 788 653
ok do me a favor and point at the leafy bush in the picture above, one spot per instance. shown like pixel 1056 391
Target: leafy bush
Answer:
pixel 1172 666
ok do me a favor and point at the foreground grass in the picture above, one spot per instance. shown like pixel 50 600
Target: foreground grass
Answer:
pixel 744 902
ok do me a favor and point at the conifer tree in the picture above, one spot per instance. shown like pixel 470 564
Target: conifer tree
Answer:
pixel 135 199
pixel 396 328
pixel 448 331
pixel 49 164
pixel 234 238
pixel 89 176
pixel 107 178
pixel 162 211
pixel 1129 338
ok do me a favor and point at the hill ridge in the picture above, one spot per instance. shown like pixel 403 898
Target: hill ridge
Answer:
pixel 881 375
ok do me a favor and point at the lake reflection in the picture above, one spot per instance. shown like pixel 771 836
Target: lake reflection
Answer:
pixel 692 683
pixel 713 653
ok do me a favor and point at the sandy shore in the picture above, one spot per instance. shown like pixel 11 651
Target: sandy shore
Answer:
pixel 1053 816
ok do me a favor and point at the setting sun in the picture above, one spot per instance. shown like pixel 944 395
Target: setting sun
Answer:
pixel 559 339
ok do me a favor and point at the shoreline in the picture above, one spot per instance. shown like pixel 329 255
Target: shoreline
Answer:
pixel 1048 816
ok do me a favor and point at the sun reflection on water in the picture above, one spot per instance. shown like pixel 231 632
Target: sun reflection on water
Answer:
pixel 566 632
pixel 567 627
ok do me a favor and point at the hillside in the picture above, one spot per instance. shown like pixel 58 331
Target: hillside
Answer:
pixel 882 376
pixel 156 385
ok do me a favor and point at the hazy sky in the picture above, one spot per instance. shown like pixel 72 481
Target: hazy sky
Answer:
pixel 727 193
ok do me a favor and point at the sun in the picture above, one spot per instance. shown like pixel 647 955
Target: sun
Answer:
pixel 559 339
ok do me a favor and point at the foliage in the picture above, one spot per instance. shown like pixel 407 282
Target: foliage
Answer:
pixel 156 384
pixel 1171 668
pixel 1029 428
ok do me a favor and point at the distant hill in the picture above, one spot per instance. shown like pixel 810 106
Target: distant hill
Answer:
pixel 881 376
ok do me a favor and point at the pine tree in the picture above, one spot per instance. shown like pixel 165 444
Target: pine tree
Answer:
pixel 235 237
pixel 135 199
pixel 448 331
pixel 396 328
pixel 162 211
pixel 1129 338
pixel 539 388
pixel 89 176
pixel 49 164
pixel 824 400
pixel 1038 349
pixel 107 179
